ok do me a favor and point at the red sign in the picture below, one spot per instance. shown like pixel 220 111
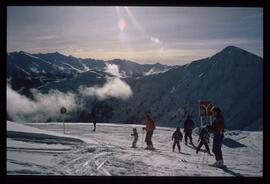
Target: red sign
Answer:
pixel 63 110
pixel 205 107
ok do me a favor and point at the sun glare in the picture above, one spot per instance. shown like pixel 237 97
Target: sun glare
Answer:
pixel 121 24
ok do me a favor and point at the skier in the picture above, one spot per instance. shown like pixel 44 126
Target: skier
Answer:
pixel 188 126
pixel 135 134
pixel 204 140
pixel 150 126
pixel 177 136
pixel 217 128
pixel 93 117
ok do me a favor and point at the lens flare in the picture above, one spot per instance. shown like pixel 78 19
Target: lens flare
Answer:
pixel 121 24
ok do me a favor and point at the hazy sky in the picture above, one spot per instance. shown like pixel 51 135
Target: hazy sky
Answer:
pixel 169 35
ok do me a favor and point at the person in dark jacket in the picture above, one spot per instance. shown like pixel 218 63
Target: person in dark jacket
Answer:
pixel 135 134
pixel 204 140
pixel 93 118
pixel 217 128
pixel 150 126
pixel 188 126
pixel 177 137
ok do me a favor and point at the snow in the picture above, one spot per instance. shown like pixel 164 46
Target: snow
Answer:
pixel 22 70
pixel 201 75
pixel 80 71
pixel 86 68
pixel 12 144
pixel 108 152
pixel 23 129
pixel 153 71
pixel 34 69
pixel 36 58
pixel 25 53
pixel 172 90
pixel 97 73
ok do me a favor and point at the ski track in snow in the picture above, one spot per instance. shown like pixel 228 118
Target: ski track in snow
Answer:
pixel 109 153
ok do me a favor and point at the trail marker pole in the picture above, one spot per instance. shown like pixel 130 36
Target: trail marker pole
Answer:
pixel 63 110
pixel 64 127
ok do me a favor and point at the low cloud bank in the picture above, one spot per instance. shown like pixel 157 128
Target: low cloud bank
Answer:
pixel 46 107
pixel 115 88
pixel 41 108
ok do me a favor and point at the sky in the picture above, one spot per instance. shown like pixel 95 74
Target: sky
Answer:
pixel 168 35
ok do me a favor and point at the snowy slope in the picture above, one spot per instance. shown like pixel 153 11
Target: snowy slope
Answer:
pixel 107 152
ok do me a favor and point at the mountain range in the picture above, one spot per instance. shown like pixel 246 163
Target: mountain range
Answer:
pixel 231 78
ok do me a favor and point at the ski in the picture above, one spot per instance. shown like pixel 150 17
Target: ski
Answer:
pixel 220 167
pixel 184 153
pixel 153 150
pixel 195 163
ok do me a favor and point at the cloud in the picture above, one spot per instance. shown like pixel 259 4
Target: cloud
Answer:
pixel 41 108
pixel 155 40
pixel 113 69
pixel 112 88
pixel 48 37
pixel 44 107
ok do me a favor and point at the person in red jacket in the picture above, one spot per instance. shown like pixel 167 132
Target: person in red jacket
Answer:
pixel 217 128
pixel 150 126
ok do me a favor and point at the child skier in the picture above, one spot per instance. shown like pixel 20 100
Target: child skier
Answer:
pixel 135 134
pixel 177 136
pixel 204 140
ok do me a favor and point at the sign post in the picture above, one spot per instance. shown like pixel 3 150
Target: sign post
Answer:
pixel 63 110
pixel 205 110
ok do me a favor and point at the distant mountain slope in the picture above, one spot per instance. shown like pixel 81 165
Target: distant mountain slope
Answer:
pixel 231 78
pixel 27 70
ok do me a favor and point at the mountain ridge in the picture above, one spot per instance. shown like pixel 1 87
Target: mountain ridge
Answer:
pixel 232 78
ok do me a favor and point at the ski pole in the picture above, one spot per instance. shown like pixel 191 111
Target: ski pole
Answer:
pixel 142 138
pixel 207 159
pixel 198 160
pixel 203 157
